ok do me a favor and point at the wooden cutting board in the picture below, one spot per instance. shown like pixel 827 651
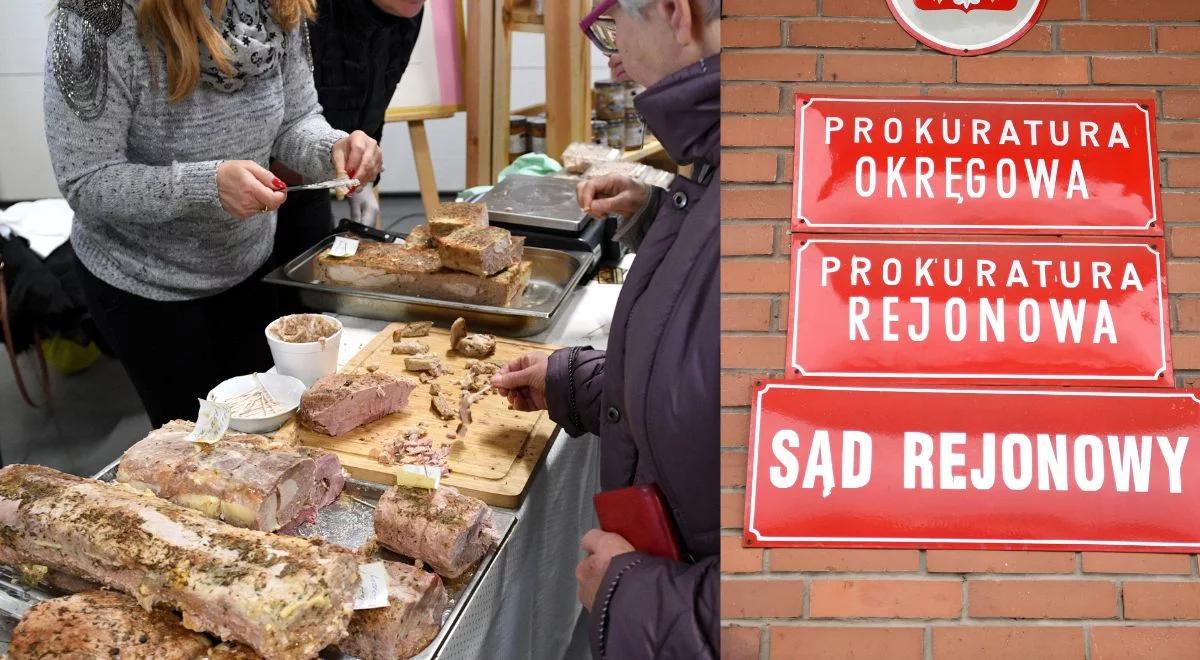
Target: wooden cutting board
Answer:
pixel 495 460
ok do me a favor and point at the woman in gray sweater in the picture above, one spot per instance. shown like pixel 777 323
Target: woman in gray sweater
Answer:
pixel 161 116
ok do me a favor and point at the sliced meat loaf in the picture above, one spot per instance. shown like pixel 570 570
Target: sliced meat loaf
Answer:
pixel 445 529
pixel 482 251
pixel 338 403
pixel 451 216
pixel 242 483
pixel 412 618
pixel 103 624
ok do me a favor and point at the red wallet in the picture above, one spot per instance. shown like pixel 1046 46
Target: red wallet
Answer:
pixel 639 513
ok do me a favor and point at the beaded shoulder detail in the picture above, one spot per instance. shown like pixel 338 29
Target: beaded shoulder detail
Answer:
pixel 80 52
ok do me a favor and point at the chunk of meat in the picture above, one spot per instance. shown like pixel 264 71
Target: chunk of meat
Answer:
pixel 411 620
pixel 450 216
pixel 476 346
pixel 285 597
pixel 414 329
pixel 427 363
pixel 481 251
pixel 103 624
pixel 458 330
pixel 443 528
pixel 238 481
pixel 409 347
pixel 420 237
pixel 338 403
pixel 442 406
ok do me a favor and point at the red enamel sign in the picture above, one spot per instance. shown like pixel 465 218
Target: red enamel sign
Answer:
pixel 999 310
pixel 921 165
pixel 1069 469
pixel 967 27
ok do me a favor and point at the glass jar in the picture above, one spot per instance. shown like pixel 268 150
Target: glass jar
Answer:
pixel 616 133
pixel 599 131
pixel 609 100
pixel 537 135
pixel 635 130
pixel 518 128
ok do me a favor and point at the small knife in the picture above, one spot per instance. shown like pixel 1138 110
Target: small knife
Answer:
pixel 326 185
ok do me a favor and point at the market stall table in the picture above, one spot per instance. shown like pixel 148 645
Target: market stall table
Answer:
pixel 527 607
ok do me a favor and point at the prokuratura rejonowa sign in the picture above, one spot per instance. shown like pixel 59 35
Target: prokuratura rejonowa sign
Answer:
pixel 985 166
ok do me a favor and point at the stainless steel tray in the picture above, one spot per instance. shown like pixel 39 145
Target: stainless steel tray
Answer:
pixel 347 522
pixel 555 274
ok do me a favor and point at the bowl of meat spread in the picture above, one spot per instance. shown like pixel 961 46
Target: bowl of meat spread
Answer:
pixel 305 346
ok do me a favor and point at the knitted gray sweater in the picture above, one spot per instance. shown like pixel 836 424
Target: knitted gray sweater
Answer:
pixel 141 177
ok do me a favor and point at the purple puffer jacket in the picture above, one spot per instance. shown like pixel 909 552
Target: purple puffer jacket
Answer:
pixel 653 397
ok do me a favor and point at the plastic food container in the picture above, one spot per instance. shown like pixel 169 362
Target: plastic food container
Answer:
pixel 306 361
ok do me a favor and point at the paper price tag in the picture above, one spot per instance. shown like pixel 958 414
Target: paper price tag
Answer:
pixel 419 476
pixel 343 247
pixel 372 586
pixel 211 423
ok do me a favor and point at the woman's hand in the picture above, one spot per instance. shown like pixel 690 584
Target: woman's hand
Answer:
pixel 359 156
pixel 247 189
pixel 613 194
pixel 601 547
pixel 616 68
pixel 523 381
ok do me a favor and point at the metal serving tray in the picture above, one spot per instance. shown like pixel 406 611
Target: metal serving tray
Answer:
pixel 348 522
pixel 555 274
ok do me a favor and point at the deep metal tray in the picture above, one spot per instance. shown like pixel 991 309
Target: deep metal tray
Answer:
pixel 348 522
pixel 555 274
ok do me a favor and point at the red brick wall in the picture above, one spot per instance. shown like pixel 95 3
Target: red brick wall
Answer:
pixel 816 604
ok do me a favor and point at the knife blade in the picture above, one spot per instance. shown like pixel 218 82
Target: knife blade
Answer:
pixel 326 185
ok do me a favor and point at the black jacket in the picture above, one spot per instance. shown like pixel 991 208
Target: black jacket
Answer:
pixel 359 53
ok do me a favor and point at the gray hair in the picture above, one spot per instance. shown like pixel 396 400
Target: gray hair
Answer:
pixel 711 8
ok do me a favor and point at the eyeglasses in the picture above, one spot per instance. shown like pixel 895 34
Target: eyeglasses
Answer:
pixel 601 29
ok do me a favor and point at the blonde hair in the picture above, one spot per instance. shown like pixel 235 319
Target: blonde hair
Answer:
pixel 179 27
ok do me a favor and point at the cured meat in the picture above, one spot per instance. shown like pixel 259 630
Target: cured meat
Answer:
pixel 283 596
pixel 476 346
pixel 412 618
pixel 427 363
pixel 414 329
pixel 237 482
pixel 443 528
pixel 103 624
pixel 442 406
pixel 419 272
pixel 338 403
pixel 409 347
pixel 419 237
pixel 450 216
pixel 481 251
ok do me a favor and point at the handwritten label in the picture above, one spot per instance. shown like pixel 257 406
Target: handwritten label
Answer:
pixel 372 587
pixel 419 476
pixel 211 423
pixel 343 247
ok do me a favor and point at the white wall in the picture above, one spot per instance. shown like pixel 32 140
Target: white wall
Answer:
pixel 24 162
pixel 25 171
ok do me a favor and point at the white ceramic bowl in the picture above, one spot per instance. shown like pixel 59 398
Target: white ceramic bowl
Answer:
pixel 306 361
pixel 284 389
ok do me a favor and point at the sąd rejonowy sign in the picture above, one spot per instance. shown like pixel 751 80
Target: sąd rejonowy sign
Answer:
pixel 988 166
pixel 999 310
pixel 1068 469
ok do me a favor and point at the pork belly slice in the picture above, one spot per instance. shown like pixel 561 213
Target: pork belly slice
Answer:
pixel 338 403
pixel 103 624
pixel 451 216
pixel 412 618
pixel 482 251
pixel 238 480
pixel 283 596
pixel 445 529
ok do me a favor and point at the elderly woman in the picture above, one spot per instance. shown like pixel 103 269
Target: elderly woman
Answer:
pixel 653 396
pixel 161 116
